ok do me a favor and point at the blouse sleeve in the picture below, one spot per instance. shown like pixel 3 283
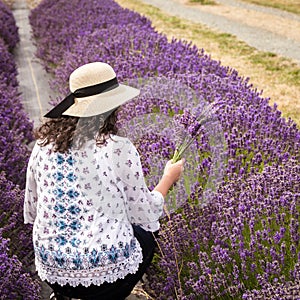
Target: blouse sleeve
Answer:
pixel 30 201
pixel 144 207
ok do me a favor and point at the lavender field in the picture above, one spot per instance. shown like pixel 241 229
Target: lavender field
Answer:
pixel 16 252
pixel 242 242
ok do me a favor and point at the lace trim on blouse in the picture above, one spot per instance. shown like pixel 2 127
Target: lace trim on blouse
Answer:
pixel 98 275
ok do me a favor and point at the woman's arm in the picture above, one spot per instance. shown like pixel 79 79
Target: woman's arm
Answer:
pixel 144 207
pixel 30 201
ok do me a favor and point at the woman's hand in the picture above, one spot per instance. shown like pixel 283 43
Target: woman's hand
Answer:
pixel 174 170
pixel 172 173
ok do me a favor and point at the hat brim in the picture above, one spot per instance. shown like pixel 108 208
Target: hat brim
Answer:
pixel 101 103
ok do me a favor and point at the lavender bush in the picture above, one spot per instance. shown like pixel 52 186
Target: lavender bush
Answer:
pixel 246 241
pixel 15 128
pixel 14 284
pixel 8 28
pixel 8 70
pixel 16 252
pixel 11 222
pixel 245 245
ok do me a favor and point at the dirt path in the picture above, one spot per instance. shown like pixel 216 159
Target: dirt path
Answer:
pixel 33 79
pixel 274 21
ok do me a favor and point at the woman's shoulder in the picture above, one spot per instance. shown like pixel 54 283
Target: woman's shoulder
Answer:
pixel 121 144
pixel 37 146
pixel 118 141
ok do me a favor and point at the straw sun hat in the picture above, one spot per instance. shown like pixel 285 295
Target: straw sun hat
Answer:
pixel 94 90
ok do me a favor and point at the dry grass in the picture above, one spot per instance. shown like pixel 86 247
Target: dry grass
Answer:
pixel 33 3
pixel 292 6
pixel 279 78
pixel 9 3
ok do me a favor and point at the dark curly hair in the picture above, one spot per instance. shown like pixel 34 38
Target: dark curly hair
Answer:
pixel 68 131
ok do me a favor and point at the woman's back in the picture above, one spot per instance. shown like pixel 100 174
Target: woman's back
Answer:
pixel 87 201
pixel 93 216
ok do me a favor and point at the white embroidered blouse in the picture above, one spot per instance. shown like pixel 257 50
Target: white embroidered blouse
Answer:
pixel 82 204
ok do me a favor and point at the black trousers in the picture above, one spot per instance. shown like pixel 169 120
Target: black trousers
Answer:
pixel 121 288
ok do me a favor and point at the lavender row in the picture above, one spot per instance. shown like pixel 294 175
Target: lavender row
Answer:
pixel 8 29
pixel 16 132
pixel 16 128
pixel 16 254
pixel 247 239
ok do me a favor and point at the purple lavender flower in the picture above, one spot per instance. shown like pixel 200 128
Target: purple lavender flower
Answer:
pixel 15 283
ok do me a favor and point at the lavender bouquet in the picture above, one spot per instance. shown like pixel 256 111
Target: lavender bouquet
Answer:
pixel 193 124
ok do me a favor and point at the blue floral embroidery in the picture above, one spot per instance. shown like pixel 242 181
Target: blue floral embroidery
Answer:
pixel 77 261
pixel 72 194
pixel 126 252
pixel 113 254
pixel 95 258
pixel 73 259
pixel 59 192
pixel 60 258
pixel 132 243
pixel 70 161
pixel 43 254
pixel 75 225
pixel 60 160
pixel 71 177
pixel 75 242
pixel 59 208
pixel 58 176
pixel 61 224
pixel 74 209
pixel 61 240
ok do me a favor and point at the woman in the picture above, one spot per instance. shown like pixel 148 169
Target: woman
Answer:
pixel 93 216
